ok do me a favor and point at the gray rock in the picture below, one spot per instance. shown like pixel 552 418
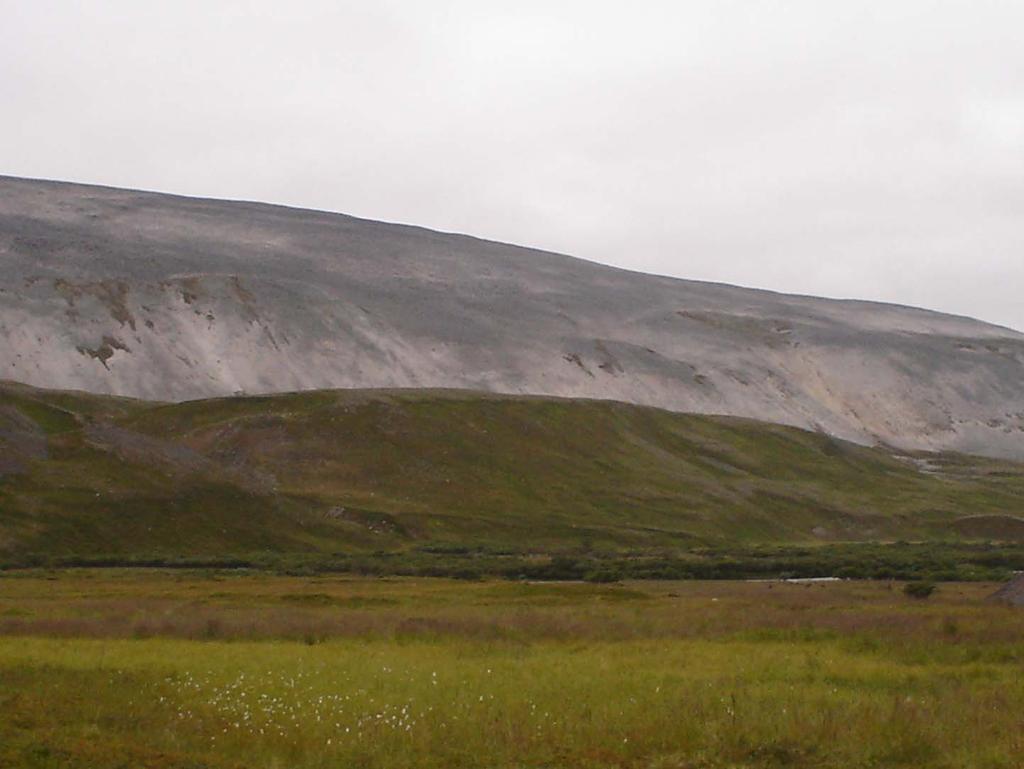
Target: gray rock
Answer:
pixel 165 297
pixel 1012 593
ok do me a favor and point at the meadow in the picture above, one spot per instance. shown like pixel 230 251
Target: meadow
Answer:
pixel 136 667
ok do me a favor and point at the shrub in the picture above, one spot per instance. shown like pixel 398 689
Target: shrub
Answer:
pixel 919 590
pixel 603 575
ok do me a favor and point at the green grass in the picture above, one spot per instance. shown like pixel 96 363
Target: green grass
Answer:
pixel 359 472
pixel 290 672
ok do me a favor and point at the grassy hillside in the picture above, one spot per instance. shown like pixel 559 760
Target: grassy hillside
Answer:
pixel 365 471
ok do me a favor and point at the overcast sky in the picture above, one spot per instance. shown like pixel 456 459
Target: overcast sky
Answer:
pixel 853 149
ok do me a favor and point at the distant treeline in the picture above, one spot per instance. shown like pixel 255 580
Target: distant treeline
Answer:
pixel 940 562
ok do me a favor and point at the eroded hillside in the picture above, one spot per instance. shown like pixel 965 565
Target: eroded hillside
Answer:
pixel 163 297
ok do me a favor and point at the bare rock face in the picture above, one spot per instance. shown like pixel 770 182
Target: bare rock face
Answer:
pixel 164 297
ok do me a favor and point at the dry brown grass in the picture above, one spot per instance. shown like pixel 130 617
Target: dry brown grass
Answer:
pixel 144 604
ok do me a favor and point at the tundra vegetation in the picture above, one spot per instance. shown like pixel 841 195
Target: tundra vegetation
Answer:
pixel 466 484
pixel 449 579
pixel 158 668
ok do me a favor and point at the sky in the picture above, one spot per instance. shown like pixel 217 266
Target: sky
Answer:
pixel 867 150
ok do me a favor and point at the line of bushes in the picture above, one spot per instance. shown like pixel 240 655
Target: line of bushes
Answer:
pixel 933 562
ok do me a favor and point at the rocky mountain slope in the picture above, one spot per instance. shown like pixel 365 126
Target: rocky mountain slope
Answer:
pixel 172 298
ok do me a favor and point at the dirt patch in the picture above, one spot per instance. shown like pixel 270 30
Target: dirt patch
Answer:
pixel 112 294
pixel 574 358
pixel 172 458
pixel 1005 528
pixel 1011 593
pixel 105 351
pixel 374 522
pixel 245 298
pixel 609 363
pixel 770 331
pixel 21 441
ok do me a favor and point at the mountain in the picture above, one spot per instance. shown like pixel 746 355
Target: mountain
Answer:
pixel 370 470
pixel 171 298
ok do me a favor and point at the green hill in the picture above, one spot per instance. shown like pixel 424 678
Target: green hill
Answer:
pixel 366 471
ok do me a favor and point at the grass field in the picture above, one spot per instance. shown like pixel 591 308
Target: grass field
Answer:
pixel 111 668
